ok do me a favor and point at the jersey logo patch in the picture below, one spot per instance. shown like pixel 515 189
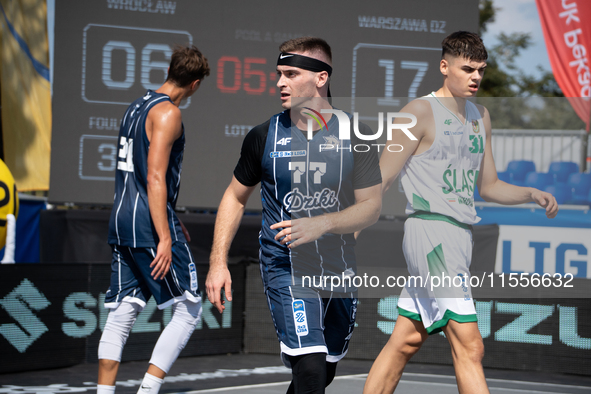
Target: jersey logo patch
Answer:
pixel 295 201
pixel 330 143
pixel 447 122
pixel 284 141
pixel 299 318
pixel 475 126
pixel 288 153
pixel 193 275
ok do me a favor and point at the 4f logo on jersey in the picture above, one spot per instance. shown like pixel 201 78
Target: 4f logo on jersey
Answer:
pixel 447 122
pixel 284 141
pixel 299 318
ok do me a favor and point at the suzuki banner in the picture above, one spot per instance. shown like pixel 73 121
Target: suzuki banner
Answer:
pixel 568 39
pixel 57 310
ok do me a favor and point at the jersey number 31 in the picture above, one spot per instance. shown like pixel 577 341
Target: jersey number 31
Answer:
pixel 125 162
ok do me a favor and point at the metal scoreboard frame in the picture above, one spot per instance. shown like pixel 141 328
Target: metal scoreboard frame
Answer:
pixel 109 52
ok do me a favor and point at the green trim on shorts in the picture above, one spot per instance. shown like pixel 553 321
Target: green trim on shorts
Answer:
pixel 447 316
pixel 436 261
pixel 420 204
pixel 425 215
pixel 409 314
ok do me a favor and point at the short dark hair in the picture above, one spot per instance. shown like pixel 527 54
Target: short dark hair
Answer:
pixel 464 44
pixel 306 44
pixel 187 64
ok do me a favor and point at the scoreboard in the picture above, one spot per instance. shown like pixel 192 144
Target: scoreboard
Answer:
pixel 109 52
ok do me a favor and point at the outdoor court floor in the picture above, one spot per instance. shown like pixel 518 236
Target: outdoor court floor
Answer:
pixel 264 374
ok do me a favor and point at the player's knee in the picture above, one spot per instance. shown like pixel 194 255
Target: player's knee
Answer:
pixel 116 331
pixel 177 333
pixel 108 365
pixel 408 351
pixel 187 313
pixel 412 344
pixel 309 372
pixel 312 364
pixel 331 370
pixel 474 350
pixel 470 350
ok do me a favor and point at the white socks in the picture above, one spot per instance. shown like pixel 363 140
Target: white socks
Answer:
pixel 150 385
pixel 104 389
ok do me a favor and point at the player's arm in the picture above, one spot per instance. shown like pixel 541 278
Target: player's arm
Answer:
pixel 247 175
pixel 163 126
pixel 362 214
pixel 401 147
pixel 492 189
pixel 227 222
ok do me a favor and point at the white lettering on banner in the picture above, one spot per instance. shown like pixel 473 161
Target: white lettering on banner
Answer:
pixel 519 330
pixel 571 39
pixel 81 317
pixel 99 123
pixel 570 13
pixel 542 250
pixel 153 7
pixel 237 130
pixel 409 24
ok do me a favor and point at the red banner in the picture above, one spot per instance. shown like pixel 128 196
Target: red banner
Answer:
pixel 567 31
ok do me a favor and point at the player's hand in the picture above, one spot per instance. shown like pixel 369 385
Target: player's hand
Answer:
pixel 163 259
pixel 299 231
pixel 218 278
pixel 546 200
pixel 185 231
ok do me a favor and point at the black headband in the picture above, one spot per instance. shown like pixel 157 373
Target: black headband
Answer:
pixel 304 62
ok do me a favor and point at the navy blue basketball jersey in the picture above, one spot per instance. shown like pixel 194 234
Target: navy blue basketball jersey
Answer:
pixel 301 178
pixel 130 223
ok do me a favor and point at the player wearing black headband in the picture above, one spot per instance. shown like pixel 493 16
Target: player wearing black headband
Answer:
pixel 315 195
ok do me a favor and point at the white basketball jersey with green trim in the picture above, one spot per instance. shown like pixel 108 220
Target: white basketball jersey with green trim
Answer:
pixel 443 178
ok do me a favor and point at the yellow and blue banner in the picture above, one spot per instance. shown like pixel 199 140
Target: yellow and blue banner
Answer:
pixel 26 92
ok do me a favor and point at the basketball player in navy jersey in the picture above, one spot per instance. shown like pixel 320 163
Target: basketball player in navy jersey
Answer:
pixel 315 194
pixel 151 256
pixel 453 135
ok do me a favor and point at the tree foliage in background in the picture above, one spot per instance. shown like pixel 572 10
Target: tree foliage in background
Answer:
pixel 517 100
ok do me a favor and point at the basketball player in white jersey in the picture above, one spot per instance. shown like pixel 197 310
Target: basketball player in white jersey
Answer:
pixel 439 172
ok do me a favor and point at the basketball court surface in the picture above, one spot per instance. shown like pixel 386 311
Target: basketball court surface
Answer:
pixel 264 374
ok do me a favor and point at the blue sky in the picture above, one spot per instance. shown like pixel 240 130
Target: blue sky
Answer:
pixel 520 16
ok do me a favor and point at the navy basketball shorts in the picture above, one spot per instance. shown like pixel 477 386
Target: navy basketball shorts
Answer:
pixel 308 323
pixel 131 278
